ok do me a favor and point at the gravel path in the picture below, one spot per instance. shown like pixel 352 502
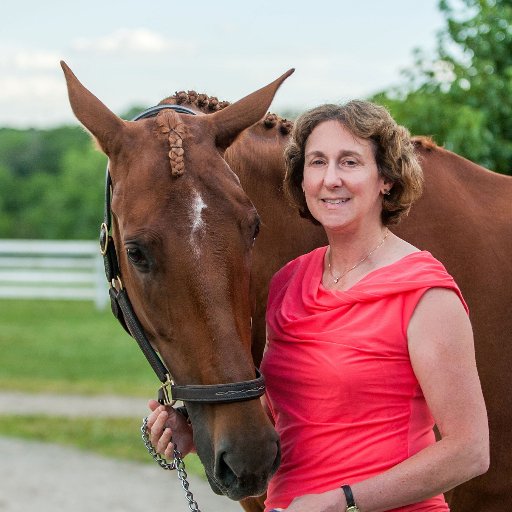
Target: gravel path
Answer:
pixel 72 405
pixel 52 478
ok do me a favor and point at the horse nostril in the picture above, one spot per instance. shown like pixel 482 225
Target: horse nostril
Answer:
pixel 223 471
pixel 231 472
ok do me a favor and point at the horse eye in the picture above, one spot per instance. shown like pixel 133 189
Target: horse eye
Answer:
pixel 255 229
pixel 136 256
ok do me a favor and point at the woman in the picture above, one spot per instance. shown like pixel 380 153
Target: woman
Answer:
pixel 369 341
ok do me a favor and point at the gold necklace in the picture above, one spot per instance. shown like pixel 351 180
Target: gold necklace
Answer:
pixel 338 277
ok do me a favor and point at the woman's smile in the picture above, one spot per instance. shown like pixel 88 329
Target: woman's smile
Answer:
pixel 336 201
pixel 341 181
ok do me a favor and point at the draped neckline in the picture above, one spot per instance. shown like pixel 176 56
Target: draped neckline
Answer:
pixel 361 281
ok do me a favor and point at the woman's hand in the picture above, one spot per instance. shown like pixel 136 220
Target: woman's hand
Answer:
pixel 330 501
pixel 165 423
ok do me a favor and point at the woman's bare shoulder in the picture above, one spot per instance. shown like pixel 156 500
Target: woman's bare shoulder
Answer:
pixel 396 250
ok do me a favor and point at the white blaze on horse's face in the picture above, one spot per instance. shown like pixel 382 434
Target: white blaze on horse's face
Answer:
pixel 198 205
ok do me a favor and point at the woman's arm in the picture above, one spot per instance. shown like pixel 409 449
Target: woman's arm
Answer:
pixel 441 349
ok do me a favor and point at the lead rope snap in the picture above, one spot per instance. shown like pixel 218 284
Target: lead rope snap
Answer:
pixel 177 464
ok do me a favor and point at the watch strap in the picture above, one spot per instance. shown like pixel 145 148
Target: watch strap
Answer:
pixel 349 497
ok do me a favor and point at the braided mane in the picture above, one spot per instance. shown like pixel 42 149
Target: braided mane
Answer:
pixel 210 104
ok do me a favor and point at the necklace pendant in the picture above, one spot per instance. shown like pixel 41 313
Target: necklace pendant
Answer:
pixel 335 279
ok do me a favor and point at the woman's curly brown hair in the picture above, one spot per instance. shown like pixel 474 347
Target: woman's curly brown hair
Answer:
pixel 394 154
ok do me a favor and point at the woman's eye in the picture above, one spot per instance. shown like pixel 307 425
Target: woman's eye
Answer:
pixel 350 163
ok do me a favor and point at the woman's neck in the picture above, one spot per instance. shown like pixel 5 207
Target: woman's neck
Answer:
pixel 350 250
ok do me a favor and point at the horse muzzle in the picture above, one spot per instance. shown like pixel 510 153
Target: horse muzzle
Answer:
pixel 239 474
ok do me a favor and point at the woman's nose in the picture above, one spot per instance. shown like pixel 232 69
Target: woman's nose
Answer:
pixel 332 176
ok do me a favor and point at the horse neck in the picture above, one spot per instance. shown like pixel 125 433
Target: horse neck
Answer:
pixel 453 170
pixel 257 159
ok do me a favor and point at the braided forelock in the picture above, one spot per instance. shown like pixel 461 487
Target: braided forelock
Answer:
pixel 169 123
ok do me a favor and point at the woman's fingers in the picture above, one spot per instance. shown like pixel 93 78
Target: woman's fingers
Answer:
pixel 153 404
pixel 169 452
pixel 164 443
pixel 154 414
pixel 158 426
pixel 165 426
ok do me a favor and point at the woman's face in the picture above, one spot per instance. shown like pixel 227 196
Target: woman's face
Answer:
pixel 341 183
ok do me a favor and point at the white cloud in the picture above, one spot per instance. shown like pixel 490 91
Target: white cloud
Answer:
pixel 33 87
pixel 124 40
pixel 35 60
pixel 27 60
pixel 36 100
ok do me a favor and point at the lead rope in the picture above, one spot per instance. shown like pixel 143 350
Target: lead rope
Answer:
pixel 177 464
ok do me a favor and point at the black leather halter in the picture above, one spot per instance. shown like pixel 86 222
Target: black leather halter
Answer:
pixel 122 309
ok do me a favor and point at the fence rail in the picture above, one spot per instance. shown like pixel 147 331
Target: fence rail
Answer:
pixel 47 269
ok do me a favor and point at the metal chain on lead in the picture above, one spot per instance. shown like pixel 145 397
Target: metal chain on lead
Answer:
pixel 182 475
pixel 161 461
pixel 177 464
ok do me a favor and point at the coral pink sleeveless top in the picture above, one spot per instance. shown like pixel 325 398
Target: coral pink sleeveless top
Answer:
pixel 340 385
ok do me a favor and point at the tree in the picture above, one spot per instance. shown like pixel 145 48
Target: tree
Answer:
pixel 51 184
pixel 463 98
pixel 67 204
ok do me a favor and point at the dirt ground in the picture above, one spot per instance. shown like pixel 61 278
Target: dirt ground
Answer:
pixel 52 478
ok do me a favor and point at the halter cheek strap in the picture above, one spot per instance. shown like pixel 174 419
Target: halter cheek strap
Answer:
pixel 122 309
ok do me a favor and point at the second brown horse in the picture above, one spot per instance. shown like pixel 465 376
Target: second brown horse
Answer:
pixel 187 229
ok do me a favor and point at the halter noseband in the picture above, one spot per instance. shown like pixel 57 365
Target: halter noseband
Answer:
pixel 122 309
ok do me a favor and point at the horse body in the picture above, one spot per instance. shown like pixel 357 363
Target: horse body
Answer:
pixel 464 218
pixel 196 283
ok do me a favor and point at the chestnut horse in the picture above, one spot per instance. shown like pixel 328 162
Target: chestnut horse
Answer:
pixel 464 219
pixel 184 229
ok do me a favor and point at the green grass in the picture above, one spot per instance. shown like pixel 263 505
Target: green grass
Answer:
pixel 69 347
pixel 112 437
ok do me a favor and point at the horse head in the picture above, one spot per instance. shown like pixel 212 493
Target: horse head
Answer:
pixel 184 230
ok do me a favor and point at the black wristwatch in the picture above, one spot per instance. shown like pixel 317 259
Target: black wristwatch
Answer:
pixel 349 497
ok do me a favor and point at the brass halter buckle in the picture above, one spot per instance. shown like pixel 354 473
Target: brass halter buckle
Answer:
pixel 165 393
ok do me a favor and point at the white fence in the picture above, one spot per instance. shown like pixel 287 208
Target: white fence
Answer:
pixel 46 269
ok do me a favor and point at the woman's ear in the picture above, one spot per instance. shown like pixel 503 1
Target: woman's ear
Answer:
pixel 386 189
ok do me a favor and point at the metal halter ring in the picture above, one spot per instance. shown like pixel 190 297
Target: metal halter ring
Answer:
pixel 103 239
pixel 117 280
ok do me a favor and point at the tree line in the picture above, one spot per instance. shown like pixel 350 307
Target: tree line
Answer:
pixel 51 184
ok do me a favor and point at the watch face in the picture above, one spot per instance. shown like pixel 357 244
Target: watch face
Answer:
pixel 353 508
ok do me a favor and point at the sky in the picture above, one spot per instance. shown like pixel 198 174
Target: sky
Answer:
pixel 134 52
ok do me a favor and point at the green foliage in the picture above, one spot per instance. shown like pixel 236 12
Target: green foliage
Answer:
pixel 69 347
pixel 463 98
pixel 51 183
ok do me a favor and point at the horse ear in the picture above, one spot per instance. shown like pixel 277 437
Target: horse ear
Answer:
pixel 92 113
pixel 231 120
